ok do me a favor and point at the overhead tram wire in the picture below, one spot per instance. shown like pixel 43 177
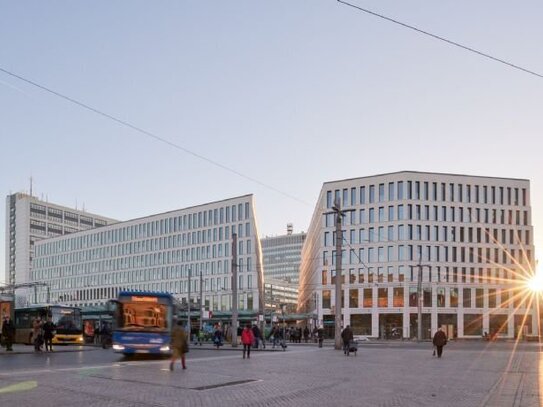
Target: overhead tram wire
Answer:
pixel 437 37
pixel 152 135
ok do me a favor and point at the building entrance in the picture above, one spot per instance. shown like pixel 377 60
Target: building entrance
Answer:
pixel 390 326
pixel 426 326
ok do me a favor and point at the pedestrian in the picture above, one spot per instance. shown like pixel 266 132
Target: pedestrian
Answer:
pixel 179 345
pixel 217 337
pixel 48 334
pixel 440 340
pixel 306 334
pixel 37 334
pixel 247 339
pixel 257 335
pixel 8 332
pixel 347 337
pixel 320 336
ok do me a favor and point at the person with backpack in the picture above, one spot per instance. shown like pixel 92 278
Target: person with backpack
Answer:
pixel 247 338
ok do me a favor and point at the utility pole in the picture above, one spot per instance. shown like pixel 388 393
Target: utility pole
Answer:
pixel 339 213
pixel 188 309
pixel 201 301
pixel 419 300
pixel 234 290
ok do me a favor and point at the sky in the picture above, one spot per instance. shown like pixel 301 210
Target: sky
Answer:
pixel 292 93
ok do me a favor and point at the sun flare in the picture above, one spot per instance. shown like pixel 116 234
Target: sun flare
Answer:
pixel 535 284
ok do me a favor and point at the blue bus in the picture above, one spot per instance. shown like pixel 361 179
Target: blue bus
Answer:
pixel 143 322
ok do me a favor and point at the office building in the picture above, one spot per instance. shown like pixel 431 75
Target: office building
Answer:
pixel 281 261
pixel 28 220
pixel 163 252
pixel 467 239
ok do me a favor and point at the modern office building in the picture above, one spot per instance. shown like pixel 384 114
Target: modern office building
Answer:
pixel 281 260
pixel 163 252
pixel 28 220
pixel 471 237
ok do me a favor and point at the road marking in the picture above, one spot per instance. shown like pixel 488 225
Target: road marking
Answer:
pixel 22 386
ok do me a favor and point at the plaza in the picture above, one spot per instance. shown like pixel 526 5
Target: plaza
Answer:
pixel 387 373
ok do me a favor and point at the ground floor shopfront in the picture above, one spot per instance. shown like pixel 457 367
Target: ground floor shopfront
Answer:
pixel 403 324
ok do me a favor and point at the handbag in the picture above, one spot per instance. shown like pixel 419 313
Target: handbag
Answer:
pixel 434 352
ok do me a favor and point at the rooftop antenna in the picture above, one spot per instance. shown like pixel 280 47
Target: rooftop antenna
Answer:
pixel 31 185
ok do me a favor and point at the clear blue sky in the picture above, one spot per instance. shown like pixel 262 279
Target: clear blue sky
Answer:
pixel 293 93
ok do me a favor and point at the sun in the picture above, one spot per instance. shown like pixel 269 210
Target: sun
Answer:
pixel 535 284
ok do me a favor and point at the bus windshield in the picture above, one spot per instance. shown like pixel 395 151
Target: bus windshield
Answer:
pixel 142 316
pixel 66 319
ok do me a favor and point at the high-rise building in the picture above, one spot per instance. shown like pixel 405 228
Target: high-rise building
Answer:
pixel 163 252
pixel 467 240
pixel 28 220
pixel 281 261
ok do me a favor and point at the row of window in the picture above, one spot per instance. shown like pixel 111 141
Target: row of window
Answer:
pixel 245 264
pixel 458 234
pixel 85 297
pixel 441 274
pixel 446 254
pixel 444 297
pixel 159 251
pixel 214 284
pixel 425 190
pixel 177 240
pixel 432 213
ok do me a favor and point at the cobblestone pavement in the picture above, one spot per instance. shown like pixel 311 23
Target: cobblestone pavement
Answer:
pixel 302 376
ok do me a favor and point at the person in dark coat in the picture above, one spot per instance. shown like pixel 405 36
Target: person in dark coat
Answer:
pixel 257 335
pixel 179 343
pixel 320 336
pixel 8 332
pixel 48 334
pixel 440 340
pixel 347 337
pixel 306 334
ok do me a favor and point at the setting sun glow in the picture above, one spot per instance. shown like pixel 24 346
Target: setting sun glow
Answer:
pixel 535 284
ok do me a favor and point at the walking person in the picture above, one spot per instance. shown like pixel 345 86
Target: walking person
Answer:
pixel 306 334
pixel 320 336
pixel 8 332
pixel 37 335
pixel 179 345
pixel 347 337
pixel 48 334
pixel 247 338
pixel 257 335
pixel 440 340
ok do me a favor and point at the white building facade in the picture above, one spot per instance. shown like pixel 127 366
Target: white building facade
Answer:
pixel 281 260
pixel 161 252
pixel 28 220
pixel 472 237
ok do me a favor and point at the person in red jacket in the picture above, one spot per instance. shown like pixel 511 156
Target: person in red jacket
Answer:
pixel 247 339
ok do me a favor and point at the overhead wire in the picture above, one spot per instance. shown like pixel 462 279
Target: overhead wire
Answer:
pixel 152 135
pixel 440 38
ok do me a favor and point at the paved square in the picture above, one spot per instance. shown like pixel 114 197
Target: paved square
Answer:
pixel 393 374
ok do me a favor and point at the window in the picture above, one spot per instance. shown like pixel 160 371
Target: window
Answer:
pixel 368 298
pixel 382 295
pixel 353 298
pixel 326 299
pixel 467 298
pixel 372 193
pixel 400 190
pixel 397 297
pixel 391 191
